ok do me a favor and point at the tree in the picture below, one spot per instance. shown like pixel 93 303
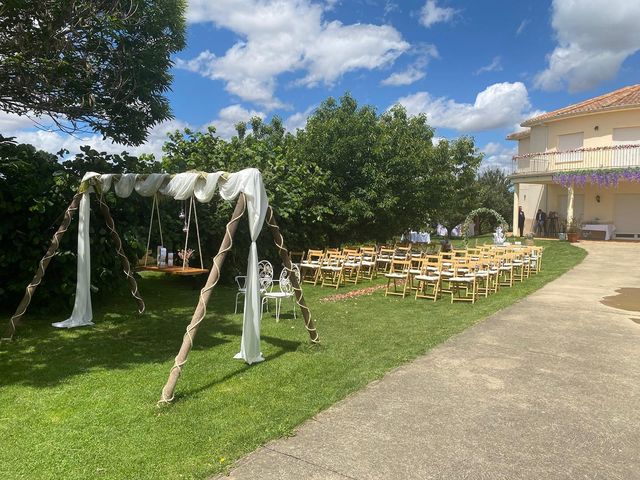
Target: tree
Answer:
pixel 459 164
pixel 101 64
pixel 494 192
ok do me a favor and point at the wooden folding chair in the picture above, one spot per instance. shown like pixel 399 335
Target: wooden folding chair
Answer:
pixel 429 280
pixel 310 267
pixel 368 269
pixel 399 271
pixel 385 257
pixel 415 268
pixel 402 251
pixel 536 259
pixel 332 270
pixel 296 257
pixel 464 280
pixel 519 265
pixel 505 268
pixel 352 265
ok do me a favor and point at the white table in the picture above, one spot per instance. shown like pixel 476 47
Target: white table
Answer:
pixel 608 228
pixel 417 237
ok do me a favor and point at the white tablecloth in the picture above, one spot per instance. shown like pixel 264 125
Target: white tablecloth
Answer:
pixel 420 237
pixel 608 228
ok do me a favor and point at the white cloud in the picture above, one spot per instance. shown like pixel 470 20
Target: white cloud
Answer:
pixel 494 66
pixel 497 156
pixel 10 122
pixel 298 120
pixel 531 114
pixel 330 4
pixel 280 36
pixel 498 106
pixel 390 7
pixel 340 49
pixel 432 14
pixel 53 140
pixel 522 26
pixel 229 116
pixel 406 77
pixel 416 70
pixel 594 38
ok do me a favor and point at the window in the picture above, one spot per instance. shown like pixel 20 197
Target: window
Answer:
pixel 571 141
pixel 626 157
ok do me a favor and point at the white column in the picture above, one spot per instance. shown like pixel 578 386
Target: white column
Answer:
pixel 516 202
pixel 570 205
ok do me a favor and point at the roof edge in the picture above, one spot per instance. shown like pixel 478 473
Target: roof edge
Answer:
pixel 532 122
pixel 519 135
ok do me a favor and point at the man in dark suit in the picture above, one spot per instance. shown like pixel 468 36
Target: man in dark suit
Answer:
pixel 521 221
pixel 541 219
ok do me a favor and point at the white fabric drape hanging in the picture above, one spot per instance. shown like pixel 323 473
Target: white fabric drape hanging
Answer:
pixel 249 182
pixel 82 314
pixel 180 187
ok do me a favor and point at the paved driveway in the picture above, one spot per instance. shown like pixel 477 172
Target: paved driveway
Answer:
pixel 548 388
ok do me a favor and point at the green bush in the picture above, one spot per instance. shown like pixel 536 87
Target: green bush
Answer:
pixel 35 190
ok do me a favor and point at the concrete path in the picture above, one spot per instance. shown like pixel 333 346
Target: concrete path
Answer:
pixel 548 388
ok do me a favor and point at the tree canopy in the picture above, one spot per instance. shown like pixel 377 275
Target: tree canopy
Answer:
pixel 351 175
pixel 495 192
pixel 101 64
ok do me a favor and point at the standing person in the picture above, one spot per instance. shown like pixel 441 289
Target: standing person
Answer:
pixel 541 218
pixel 521 221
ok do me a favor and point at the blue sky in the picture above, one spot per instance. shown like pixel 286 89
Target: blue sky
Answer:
pixel 475 68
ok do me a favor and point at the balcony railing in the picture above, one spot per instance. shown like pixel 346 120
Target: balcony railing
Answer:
pixel 618 156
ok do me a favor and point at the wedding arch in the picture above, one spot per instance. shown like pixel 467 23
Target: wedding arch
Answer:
pixel 479 211
pixel 245 186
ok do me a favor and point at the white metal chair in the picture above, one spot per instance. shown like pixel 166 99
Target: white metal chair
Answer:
pixel 265 276
pixel 285 290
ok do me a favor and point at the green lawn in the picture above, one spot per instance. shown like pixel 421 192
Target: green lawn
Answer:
pixel 82 403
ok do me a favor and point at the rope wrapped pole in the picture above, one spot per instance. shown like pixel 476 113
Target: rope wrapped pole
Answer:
pixel 201 309
pixel 286 260
pixel 42 266
pixel 126 266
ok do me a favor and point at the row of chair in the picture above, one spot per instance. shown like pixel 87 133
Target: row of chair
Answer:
pixel 335 267
pixel 465 274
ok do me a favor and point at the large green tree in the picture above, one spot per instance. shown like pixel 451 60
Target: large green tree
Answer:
pixel 495 192
pixel 459 162
pixel 96 64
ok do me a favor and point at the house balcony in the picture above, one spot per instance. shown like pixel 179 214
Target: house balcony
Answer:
pixel 547 163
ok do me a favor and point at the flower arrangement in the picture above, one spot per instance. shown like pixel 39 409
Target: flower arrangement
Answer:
pixel 602 177
pixel 185 255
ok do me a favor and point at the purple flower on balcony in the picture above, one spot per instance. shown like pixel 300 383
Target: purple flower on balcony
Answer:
pixel 602 178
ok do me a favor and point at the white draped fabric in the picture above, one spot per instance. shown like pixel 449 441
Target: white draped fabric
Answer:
pixel 82 313
pixel 180 187
pixel 250 183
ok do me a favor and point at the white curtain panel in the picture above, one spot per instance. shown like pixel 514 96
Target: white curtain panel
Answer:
pixel 250 183
pixel 180 187
pixel 82 313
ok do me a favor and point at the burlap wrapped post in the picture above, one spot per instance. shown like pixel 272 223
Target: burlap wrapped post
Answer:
pixel 126 267
pixel 286 260
pixel 201 309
